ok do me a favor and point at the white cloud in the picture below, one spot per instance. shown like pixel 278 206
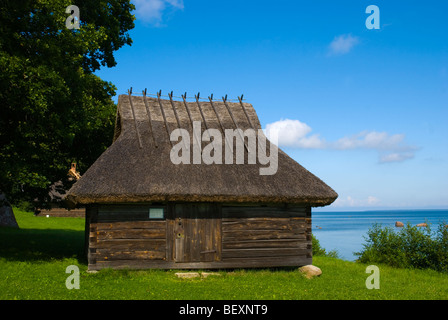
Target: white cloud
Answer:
pixel 349 201
pixel 391 148
pixel 293 133
pixel 297 134
pixel 151 11
pixel 343 44
pixel 371 200
pixel 396 157
pixel 372 140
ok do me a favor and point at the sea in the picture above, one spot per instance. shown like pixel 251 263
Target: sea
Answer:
pixel 345 232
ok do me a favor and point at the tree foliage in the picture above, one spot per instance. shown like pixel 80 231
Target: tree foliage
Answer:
pixel 53 109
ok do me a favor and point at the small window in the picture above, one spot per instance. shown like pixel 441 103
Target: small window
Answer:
pixel 156 213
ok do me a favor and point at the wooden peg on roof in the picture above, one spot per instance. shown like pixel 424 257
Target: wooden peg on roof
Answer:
pixel 135 119
pixel 164 116
pixel 148 113
pixel 224 99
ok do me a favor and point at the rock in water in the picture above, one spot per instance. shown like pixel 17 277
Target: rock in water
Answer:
pixel 399 224
pixel 422 225
pixel 310 271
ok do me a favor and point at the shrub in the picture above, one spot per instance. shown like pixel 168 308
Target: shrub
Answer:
pixel 319 251
pixel 410 247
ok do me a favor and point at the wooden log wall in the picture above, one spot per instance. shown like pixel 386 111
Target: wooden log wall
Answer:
pixel 124 236
pixel 266 236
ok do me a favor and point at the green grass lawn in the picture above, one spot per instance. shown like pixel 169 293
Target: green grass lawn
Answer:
pixel 33 260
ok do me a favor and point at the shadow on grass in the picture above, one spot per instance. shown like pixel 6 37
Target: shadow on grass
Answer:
pixel 41 244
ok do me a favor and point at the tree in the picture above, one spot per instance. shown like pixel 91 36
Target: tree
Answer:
pixel 53 109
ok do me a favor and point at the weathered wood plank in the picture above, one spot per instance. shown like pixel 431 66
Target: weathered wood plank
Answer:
pixel 153 224
pixel 218 236
pixel 264 224
pixel 263 262
pixel 92 238
pixel 130 244
pixel 277 208
pixel 277 243
pixel 170 246
pixel 125 212
pixel 108 254
pixel 286 219
pixel 120 208
pixel 257 211
pixel 249 253
pixel 179 255
pixel 111 217
pixel 131 234
pixel 243 235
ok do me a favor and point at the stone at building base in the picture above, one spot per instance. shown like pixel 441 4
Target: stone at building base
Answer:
pixel 310 271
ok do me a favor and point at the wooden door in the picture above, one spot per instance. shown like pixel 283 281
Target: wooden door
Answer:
pixel 196 233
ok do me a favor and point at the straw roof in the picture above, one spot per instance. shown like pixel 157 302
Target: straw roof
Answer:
pixel 137 166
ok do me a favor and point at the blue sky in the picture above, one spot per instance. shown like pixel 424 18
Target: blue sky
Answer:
pixel 366 110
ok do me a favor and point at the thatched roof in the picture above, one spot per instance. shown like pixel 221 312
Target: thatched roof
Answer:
pixel 137 166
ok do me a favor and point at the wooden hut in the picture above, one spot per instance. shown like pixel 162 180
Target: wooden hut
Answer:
pixel 144 211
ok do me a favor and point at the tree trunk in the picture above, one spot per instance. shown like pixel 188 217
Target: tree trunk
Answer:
pixel 7 218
